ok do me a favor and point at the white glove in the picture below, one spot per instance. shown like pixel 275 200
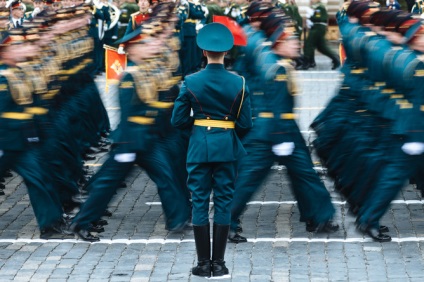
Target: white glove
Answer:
pixel 413 148
pixel 234 13
pixel 125 158
pixel 184 2
pixel 309 23
pixel 199 26
pixel 98 4
pixel 121 50
pixel 283 149
pixel 35 12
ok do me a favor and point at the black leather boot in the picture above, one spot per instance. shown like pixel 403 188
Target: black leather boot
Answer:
pixel 219 243
pixel 202 238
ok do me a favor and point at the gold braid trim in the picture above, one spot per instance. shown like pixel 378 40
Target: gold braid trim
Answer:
pixel 20 88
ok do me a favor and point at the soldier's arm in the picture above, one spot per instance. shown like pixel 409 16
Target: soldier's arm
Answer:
pixel 126 92
pixel 244 120
pixel 181 114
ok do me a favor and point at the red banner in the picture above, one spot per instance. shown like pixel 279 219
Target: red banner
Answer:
pixel 115 64
pixel 240 38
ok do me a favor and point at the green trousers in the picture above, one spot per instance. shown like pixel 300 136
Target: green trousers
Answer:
pixel 316 40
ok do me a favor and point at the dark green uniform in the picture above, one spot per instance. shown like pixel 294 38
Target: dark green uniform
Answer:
pixel 316 37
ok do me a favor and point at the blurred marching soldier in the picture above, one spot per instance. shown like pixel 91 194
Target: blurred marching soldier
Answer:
pixel 245 64
pixel 190 12
pixel 214 8
pixel 20 141
pixel 221 111
pixel 318 18
pixel 138 137
pixel 16 14
pixel 111 34
pixel 137 19
pixel 291 9
pixel 276 137
pixel 4 21
pixel 38 7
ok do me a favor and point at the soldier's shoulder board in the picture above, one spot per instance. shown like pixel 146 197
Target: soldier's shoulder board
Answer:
pixel 281 77
pixel 126 84
pixel 3 87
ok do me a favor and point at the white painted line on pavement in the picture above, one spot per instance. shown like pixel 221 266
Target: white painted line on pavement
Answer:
pixel 309 108
pixel 176 241
pixel 316 79
pixel 263 203
pixel 318 72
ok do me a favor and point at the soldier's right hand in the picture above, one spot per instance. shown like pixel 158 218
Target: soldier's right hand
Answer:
pixel 121 50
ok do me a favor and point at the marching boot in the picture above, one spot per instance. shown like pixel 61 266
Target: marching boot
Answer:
pixel 202 239
pixel 219 243
pixel 335 63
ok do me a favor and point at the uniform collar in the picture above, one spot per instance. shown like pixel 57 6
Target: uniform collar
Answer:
pixel 215 66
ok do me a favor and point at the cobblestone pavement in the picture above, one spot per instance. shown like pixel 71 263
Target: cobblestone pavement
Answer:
pixel 136 246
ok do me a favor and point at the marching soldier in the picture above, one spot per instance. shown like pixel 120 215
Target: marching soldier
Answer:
pixel 137 19
pixel 16 14
pixel 138 139
pixel 221 111
pixel 276 137
pixel 20 140
pixel 190 12
pixel 316 37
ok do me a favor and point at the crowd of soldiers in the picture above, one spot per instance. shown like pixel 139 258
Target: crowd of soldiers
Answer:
pixel 52 116
pixel 370 136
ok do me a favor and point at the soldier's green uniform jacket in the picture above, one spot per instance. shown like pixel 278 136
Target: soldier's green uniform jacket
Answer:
pixel 140 120
pixel 16 125
pixel 293 12
pixel 202 92
pixel 320 13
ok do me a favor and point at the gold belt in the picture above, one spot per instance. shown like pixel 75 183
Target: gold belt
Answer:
pixel 282 116
pixel 36 110
pixel 15 115
pixel 190 21
pixel 161 105
pixel 141 120
pixel 214 123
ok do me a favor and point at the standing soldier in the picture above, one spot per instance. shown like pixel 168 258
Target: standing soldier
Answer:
pixel 221 111
pixel 16 14
pixel 316 37
pixel 136 20
pixel 190 12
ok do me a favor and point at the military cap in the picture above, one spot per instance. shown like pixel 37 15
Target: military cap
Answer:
pixel 271 23
pixel 140 34
pixel 14 4
pixel 215 37
pixel 398 21
pixel 383 17
pixel 283 32
pixel 257 11
pixel 362 10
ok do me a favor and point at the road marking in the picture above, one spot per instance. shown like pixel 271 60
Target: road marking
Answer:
pixel 341 203
pixel 309 108
pixel 177 241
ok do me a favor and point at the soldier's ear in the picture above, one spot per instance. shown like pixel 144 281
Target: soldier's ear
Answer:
pixel 204 53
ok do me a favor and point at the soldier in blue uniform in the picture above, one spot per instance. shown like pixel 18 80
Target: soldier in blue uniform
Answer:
pixel 138 139
pixel 276 137
pixel 20 141
pixel 190 13
pixel 221 112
